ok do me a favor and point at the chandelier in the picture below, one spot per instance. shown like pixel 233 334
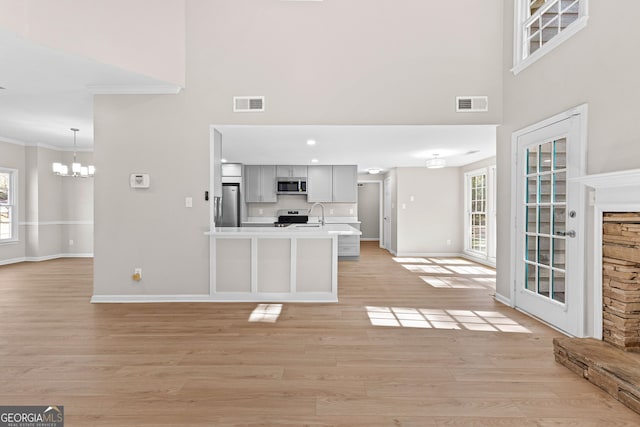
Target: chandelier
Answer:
pixel 77 169
pixel 436 162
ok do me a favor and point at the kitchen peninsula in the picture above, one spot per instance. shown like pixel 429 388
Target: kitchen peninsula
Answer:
pixel 276 264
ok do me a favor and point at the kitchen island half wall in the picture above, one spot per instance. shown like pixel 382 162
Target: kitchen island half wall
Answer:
pixel 271 264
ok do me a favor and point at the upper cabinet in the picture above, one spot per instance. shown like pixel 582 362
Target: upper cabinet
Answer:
pixel 337 183
pixel 260 184
pixel 319 183
pixel 345 184
pixel 285 171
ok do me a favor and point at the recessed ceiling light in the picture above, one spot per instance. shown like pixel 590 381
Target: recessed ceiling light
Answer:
pixel 311 142
pixel 374 171
pixel 223 160
pixel 314 160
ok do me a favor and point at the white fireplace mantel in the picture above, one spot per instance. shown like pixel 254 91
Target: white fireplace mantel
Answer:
pixel 611 192
pixel 625 178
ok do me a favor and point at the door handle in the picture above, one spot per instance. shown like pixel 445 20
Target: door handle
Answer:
pixel 570 233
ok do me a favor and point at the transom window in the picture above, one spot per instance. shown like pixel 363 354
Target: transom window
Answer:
pixel 542 25
pixel 8 230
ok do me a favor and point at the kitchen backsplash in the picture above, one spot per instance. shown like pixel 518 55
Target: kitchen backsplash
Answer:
pixel 300 202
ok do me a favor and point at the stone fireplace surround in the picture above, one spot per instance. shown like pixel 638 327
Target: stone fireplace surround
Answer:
pixel 612 364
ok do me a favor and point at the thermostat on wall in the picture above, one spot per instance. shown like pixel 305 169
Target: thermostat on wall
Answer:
pixel 139 180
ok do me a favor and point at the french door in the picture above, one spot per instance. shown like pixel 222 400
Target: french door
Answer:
pixel 549 216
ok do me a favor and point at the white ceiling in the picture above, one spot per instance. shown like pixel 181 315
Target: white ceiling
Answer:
pixel 47 92
pixel 381 147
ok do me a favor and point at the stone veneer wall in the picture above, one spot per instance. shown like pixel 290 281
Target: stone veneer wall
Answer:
pixel 621 280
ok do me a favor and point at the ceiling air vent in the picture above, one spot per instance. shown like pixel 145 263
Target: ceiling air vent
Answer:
pixel 247 104
pixel 472 104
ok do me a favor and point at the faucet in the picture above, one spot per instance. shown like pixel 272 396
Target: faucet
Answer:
pixel 322 206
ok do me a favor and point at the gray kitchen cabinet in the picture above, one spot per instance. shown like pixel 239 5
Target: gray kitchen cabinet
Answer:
pixel 231 169
pixel 260 184
pixel 319 183
pixel 349 246
pixel 288 171
pixel 345 184
pixel 337 184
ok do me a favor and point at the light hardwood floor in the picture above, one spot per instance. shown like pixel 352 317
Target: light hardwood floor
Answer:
pixel 413 342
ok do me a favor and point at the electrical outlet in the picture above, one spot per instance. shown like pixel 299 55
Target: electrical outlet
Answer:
pixel 448 242
pixel 350 211
pixel 70 242
pixel 137 274
pixel 260 211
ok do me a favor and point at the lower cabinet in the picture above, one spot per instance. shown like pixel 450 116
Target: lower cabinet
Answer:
pixel 349 246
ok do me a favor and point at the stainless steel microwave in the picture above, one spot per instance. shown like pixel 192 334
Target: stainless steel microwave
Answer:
pixel 292 186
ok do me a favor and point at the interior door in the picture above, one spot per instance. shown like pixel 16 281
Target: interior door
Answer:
pixel 386 226
pixel 549 210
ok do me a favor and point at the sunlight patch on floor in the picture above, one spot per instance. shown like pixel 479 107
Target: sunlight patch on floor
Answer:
pixel 429 269
pixel 451 261
pixel 266 313
pixel 471 320
pixel 411 260
pixel 473 270
pixel 460 282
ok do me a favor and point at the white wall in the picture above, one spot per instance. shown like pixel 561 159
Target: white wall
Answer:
pixel 313 68
pixel 52 210
pixel 598 67
pixel 143 36
pixel 428 207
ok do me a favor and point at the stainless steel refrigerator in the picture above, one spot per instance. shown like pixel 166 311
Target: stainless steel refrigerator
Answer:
pixel 230 215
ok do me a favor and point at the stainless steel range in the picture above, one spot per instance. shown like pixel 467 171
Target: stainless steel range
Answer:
pixel 287 217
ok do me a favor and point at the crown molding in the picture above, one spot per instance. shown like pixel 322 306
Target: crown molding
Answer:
pixel 42 145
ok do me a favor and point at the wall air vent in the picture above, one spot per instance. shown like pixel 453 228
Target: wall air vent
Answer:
pixel 472 104
pixel 248 104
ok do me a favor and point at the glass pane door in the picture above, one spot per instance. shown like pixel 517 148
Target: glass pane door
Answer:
pixel 545 208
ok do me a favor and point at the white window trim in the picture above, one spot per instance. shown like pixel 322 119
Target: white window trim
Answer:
pixel 492 214
pixel 467 210
pixel 13 202
pixel 520 64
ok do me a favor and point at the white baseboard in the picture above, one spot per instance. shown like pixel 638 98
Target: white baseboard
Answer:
pixel 502 299
pixel 12 261
pixel 77 255
pixel 148 298
pixel 257 298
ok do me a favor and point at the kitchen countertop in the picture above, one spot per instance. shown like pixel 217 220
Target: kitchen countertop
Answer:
pixel 312 219
pixel 290 231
